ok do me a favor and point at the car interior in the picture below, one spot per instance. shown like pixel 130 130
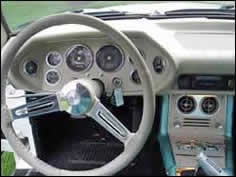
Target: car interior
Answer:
pixel 124 94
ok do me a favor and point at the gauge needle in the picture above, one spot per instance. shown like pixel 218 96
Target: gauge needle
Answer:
pixel 109 58
pixel 78 58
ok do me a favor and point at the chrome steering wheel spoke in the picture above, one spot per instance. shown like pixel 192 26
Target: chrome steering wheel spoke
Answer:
pixel 42 106
pixel 107 120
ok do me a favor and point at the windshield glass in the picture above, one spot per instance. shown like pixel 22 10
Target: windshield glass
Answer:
pixel 19 14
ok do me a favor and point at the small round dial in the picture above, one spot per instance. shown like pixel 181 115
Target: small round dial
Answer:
pixel 31 68
pixel 54 59
pixel 79 58
pixel 110 58
pixel 52 77
pixel 135 77
pixel 159 65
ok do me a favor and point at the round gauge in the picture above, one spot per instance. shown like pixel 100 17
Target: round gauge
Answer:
pixel 79 58
pixel 110 58
pixel 141 52
pixel 30 68
pixel 52 77
pixel 159 65
pixel 135 77
pixel 54 59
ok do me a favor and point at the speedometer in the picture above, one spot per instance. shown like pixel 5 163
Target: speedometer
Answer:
pixel 110 58
pixel 79 58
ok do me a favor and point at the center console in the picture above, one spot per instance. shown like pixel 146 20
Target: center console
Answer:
pixel 196 124
pixel 199 123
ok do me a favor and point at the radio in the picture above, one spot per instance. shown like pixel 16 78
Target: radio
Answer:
pixel 207 82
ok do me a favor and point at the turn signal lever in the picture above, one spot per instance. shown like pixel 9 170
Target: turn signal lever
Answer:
pixel 210 167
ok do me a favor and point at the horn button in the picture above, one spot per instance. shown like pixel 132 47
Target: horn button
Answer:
pixel 78 96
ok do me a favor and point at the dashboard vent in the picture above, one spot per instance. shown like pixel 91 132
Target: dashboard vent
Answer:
pixel 209 105
pixel 197 123
pixel 186 104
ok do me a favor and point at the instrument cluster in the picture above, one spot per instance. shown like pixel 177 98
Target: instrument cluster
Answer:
pixel 63 62
pixel 80 58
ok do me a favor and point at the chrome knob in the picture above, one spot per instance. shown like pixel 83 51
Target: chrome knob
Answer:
pixel 219 126
pixel 177 124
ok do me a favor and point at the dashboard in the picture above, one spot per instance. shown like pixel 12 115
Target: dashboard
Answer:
pixel 192 61
pixel 89 57
pixel 60 54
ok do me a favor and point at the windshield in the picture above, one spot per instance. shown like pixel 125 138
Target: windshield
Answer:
pixel 19 14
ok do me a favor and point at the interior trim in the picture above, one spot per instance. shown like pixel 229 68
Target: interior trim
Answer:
pixel 228 133
pixel 163 137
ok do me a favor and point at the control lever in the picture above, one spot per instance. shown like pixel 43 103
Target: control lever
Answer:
pixel 117 96
pixel 210 167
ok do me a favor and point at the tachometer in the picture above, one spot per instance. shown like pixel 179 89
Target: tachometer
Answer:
pixel 110 58
pixel 79 58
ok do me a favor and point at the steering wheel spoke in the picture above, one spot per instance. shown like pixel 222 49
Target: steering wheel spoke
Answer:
pixel 107 120
pixel 42 106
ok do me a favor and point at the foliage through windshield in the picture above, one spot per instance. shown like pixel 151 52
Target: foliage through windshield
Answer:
pixel 19 13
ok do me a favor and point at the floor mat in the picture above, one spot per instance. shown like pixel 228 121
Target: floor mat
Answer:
pixel 83 144
pixel 84 155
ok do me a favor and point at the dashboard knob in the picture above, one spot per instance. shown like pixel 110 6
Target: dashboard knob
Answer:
pixel 177 124
pixel 30 68
pixel 135 77
pixel 158 65
pixel 219 126
pixel 231 84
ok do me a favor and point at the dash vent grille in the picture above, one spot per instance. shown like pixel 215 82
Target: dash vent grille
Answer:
pixel 200 123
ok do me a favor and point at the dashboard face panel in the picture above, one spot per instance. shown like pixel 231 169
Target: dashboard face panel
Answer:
pixel 93 58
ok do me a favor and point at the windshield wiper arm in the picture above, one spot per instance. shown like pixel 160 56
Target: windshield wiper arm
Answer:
pixel 106 13
pixel 100 13
pixel 201 12
pixel 112 14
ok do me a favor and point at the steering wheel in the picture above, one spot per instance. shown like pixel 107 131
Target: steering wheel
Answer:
pixel 78 97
